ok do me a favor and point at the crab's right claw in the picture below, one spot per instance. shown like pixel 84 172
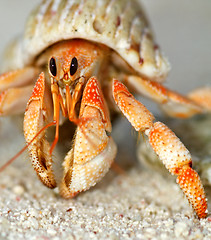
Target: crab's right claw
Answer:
pixel 35 117
pixel 93 151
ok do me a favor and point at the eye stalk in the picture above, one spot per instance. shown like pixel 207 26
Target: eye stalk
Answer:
pixel 73 66
pixel 52 67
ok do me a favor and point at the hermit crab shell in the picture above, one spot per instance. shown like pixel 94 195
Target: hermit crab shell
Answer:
pixel 119 24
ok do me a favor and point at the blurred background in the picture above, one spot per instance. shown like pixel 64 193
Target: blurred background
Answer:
pixel 182 30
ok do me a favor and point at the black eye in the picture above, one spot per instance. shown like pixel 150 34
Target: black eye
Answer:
pixel 73 66
pixel 52 66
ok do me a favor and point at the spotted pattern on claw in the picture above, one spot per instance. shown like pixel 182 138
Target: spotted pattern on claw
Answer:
pixel 38 90
pixel 168 147
pixel 90 173
pixel 39 149
pixel 93 151
pixel 30 125
pixel 80 177
pixel 190 183
pixel 93 96
pixel 91 137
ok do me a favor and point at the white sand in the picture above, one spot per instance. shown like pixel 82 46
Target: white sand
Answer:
pixel 138 205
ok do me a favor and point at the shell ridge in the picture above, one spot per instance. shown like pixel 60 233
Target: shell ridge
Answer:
pixel 55 5
pixel 120 25
pixel 41 13
pixel 93 20
pixel 124 31
pixel 135 31
pixel 77 17
pixel 135 37
pixel 99 17
pixel 112 10
pixel 109 6
pixel 64 15
pixel 54 13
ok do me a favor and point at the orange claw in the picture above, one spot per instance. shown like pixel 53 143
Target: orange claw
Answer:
pixel 93 151
pixel 39 149
pixel 167 146
pixel 93 96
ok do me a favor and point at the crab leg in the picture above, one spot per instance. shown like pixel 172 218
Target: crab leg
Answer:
pixel 18 78
pixel 13 100
pixel 15 90
pixel 202 96
pixel 93 151
pixel 172 103
pixel 168 147
pixel 35 117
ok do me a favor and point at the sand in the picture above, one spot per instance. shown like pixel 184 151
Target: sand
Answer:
pixel 139 204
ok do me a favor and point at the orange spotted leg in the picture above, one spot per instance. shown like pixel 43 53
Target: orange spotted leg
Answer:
pixel 172 103
pixel 167 146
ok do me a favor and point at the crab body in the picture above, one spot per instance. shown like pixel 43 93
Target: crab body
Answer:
pixel 77 50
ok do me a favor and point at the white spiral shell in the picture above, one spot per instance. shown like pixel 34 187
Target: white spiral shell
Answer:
pixel 119 24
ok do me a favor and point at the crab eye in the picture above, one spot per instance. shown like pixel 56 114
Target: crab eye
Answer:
pixel 73 66
pixel 52 66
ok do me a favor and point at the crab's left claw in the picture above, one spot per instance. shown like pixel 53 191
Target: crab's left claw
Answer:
pixel 168 147
pixel 93 151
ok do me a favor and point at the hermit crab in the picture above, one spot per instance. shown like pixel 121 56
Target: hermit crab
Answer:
pixel 79 61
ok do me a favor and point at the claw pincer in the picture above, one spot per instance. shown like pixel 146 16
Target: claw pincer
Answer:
pixel 93 151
